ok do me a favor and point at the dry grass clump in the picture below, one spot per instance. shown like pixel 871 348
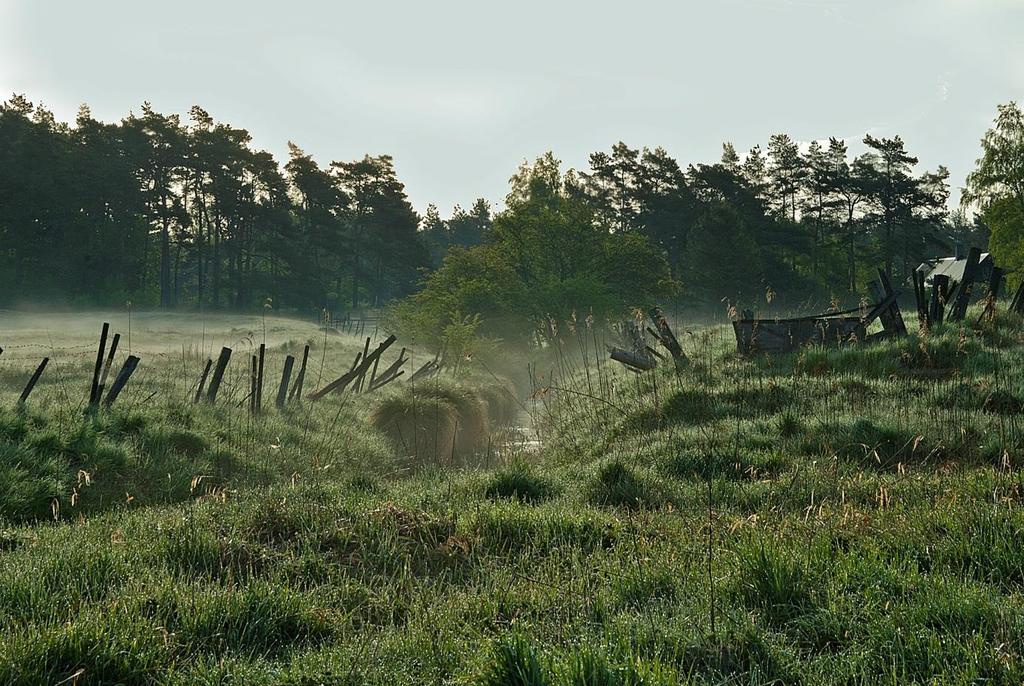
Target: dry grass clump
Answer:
pixel 435 420
pixel 502 405
pixel 422 426
pixel 474 424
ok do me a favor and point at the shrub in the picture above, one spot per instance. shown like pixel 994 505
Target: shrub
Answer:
pixel 521 483
pixel 619 485
pixel 419 425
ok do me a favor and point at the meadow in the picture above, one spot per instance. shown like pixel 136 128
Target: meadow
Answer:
pixel 834 516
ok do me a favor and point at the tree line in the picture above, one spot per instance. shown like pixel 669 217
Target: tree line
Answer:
pixel 187 213
pixel 171 213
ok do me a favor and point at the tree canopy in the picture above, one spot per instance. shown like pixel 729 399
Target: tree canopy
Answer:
pixel 996 186
pixel 186 212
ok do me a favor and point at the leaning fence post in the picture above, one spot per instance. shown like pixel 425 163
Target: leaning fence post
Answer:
pixel 297 388
pixel 94 396
pixel 32 381
pixel 107 365
pixel 286 375
pixel 218 374
pixel 995 281
pixel 1017 302
pixel 202 382
pixel 122 378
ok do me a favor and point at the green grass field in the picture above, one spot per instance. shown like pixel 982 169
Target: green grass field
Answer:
pixel 831 517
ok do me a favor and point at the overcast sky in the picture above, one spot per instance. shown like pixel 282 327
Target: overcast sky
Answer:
pixel 461 92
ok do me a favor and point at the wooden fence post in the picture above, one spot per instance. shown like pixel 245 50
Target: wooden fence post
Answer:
pixel 668 339
pixel 300 379
pixel 94 396
pixel 940 296
pixel 107 365
pixel 358 369
pixel 254 370
pixel 1017 303
pixel 122 378
pixel 202 382
pixel 259 379
pixel 366 351
pixel 921 298
pixel 995 281
pixel 218 374
pixel 32 381
pixel 286 375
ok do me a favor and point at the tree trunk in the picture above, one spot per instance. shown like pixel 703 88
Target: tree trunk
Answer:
pixel 165 264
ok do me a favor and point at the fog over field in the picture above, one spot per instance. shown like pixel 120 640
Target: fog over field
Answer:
pixel 535 344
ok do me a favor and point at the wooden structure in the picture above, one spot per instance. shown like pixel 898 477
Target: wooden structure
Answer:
pixel 641 357
pixel 953 282
pixel 829 328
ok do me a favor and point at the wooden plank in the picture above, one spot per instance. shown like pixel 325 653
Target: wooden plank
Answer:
pixel 995 282
pixel 878 294
pixel 218 374
pixel 892 320
pixel 430 368
pixel 127 369
pixel 894 311
pixel 34 380
pixel 286 375
pixel 393 368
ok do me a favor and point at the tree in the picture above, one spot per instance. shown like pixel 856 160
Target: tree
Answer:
pixel 156 144
pixel 547 256
pixel 907 209
pixel 434 231
pixel 996 186
pixel 470 228
pixel 785 172
pixel 385 248
pixel 642 191
pixel 730 160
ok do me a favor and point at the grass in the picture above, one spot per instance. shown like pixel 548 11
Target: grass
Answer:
pixel 829 517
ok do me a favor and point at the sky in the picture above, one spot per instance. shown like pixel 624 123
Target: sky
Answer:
pixel 460 92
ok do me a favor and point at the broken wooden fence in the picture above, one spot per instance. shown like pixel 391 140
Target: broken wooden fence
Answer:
pixel 641 357
pixel 828 328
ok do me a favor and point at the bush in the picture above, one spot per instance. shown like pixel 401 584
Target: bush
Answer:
pixel 519 482
pixel 619 485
